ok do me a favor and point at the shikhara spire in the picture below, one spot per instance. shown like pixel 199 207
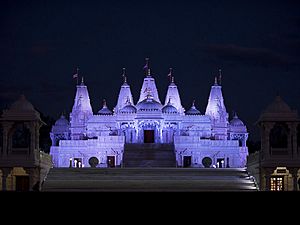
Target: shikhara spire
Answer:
pixel 173 93
pixel 215 106
pixel 149 83
pixel 124 94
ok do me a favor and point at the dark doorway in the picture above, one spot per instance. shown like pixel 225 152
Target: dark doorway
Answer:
pixel 22 183
pixel 111 162
pixel 77 162
pixel 221 163
pixel 187 161
pixel 148 136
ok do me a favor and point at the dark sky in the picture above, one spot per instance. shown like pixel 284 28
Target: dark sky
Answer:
pixel 256 43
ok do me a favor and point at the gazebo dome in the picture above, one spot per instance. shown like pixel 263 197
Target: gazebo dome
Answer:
pixel 278 106
pixel 22 104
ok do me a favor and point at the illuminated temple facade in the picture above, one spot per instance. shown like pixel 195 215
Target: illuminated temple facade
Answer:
pixel 195 137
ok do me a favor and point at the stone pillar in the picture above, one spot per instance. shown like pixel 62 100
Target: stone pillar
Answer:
pixel 33 177
pixel 5 173
pixel 294 133
pixel 266 139
pixel 5 137
pixel 267 173
pixel 294 172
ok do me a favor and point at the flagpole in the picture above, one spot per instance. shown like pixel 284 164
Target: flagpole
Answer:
pixel 77 75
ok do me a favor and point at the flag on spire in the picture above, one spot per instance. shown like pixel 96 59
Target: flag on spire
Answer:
pixel 76 75
pixel 147 64
pixel 220 76
pixel 170 74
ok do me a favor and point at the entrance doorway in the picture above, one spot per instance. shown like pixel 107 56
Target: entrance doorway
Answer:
pixel 187 161
pixel 277 183
pixel 220 163
pixel 77 162
pixel 148 136
pixel 111 162
pixel 22 183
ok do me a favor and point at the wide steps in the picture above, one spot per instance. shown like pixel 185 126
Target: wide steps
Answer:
pixel 149 155
pixel 148 179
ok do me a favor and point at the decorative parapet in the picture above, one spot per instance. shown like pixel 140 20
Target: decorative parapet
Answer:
pixel 112 140
pixel 197 140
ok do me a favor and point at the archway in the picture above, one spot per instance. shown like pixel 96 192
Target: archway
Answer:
pixel 279 136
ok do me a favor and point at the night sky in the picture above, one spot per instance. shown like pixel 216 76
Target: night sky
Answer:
pixel 255 43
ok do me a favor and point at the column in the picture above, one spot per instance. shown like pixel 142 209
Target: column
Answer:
pixel 294 133
pixel 268 172
pixel 5 136
pixel 294 172
pixel 5 173
pixel 33 177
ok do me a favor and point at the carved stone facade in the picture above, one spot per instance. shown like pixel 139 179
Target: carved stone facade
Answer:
pixel 198 135
pixel 277 167
pixel 23 166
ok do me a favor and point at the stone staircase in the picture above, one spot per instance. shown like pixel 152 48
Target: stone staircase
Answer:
pixel 149 155
pixel 147 180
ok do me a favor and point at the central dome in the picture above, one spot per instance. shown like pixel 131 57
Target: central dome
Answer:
pixel 149 104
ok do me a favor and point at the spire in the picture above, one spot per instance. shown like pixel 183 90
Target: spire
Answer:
pixel 82 80
pixel 216 81
pixel 193 104
pixel 124 94
pixel 174 94
pixel 104 103
pixel 149 82
pixel 235 116
pixel 124 75
pixel 215 107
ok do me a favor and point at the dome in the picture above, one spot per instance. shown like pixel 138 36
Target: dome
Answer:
pixel 236 122
pixel 278 106
pixel 169 108
pixel 128 108
pixel 149 104
pixel 105 110
pixel 22 104
pixel 193 110
pixel 62 122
